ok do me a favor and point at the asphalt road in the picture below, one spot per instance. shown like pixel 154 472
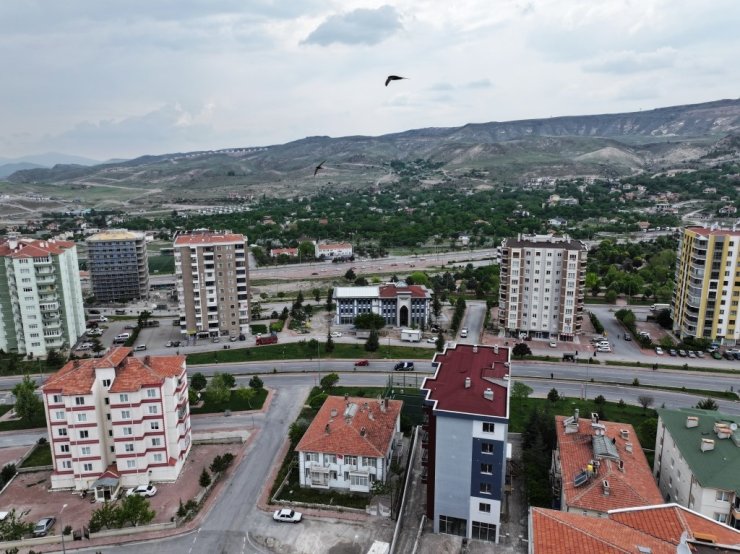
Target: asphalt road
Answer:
pixel 475 314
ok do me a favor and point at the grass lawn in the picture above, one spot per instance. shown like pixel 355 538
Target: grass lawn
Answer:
pixel 235 404
pixel 19 424
pixel 161 264
pixel 41 456
pixel 301 351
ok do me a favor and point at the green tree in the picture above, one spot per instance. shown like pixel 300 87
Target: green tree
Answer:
pixel 317 295
pixel 246 395
pixel 436 306
pixel 553 396
pixel 329 381
pixel 329 344
pixel 217 393
pixel 27 404
pixel 198 381
pixel 13 527
pixel 611 296
pixel 350 275
pixel 97 346
pixel 256 383
pixel 296 430
pixel 205 478
pixel 647 431
pixel 520 391
pixel 143 318
pixel 306 251
pixel 521 349
pixel 228 379
pixel 369 321
pixel 135 510
pixel 440 343
pixel 54 359
pixel 593 283
pixel 373 342
pixel 707 404
pixel 105 517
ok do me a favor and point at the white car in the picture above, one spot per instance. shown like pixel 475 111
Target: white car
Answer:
pixel 464 332
pixel 431 340
pixel 659 351
pixel 287 515
pixel 335 334
pixel 553 344
pixel 143 490
pixel 94 332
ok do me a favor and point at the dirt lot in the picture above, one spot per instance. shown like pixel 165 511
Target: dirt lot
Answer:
pixel 12 454
pixel 29 491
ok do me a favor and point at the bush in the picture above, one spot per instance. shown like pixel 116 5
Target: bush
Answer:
pixel 317 401
pixel 256 383
pixel 598 327
pixel 205 478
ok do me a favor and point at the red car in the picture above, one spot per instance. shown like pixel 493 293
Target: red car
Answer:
pixel 361 363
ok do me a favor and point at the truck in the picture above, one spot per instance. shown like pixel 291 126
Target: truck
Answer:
pixel 659 307
pixel 269 339
pixel 411 335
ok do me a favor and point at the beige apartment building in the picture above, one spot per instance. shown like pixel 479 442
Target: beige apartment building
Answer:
pixel 212 283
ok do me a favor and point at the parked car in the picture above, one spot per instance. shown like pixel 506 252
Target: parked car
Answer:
pixel 682 353
pixel 168 344
pixel 233 339
pixel 553 344
pixel 716 355
pixel 728 355
pixel 335 334
pixel 142 490
pixel 700 354
pixel 95 332
pixel 659 351
pixel 673 352
pixel 43 526
pixel 691 354
pixel 404 366
pixel 362 363
pixel 129 326
pixel 216 339
pixel 627 337
pixel 140 347
pixel 431 340
pixel 287 515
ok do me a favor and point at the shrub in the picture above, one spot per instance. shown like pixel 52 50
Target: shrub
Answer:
pixel 205 478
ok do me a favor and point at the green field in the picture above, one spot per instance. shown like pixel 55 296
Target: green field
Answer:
pixel 235 404
pixel 161 264
pixel 41 456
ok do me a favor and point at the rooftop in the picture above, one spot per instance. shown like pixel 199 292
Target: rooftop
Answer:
pixel 207 237
pixel 486 367
pixel 116 234
pixel 579 446
pixel 416 291
pixel 78 376
pixel 654 529
pixel 714 231
pixel 544 241
pixel 333 245
pixel 31 248
pixel 352 426
pixel 716 468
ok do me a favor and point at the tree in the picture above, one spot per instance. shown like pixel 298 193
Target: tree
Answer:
pixel 440 343
pixel 372 343
pixel 647 431
pixel 27 404
pixel 600 400
pixel 369 321
pixel 316 295
pixel 350 275
pixel 54 359
pixel 13 528
pixel 553 396
pixel 104 517
pixel 205 478
pixel 296 430
pixel 198 381
pixel 329 381
pixel 143 318
pixel 135 510
pixel 256 383
pixel 521 391
pixel 228 379
pixel 521 349
pixel 707 404
pixel 329 296
pixel 645 401
pixel 217 393
pixel 246 395
pixel 436 306
pixel 611 296
pixel 329 344
pixel 97 346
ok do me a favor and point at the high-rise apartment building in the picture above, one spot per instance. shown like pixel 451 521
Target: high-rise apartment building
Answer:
pixel 464 440
pixel 123 418
pixel 707 290
pixel 543 281
pixel 40 296
pixel 118 264
pixel 212 283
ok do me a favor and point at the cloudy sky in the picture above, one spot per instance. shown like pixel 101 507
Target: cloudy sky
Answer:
pixel 106 78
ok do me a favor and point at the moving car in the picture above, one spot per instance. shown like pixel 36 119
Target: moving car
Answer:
pixel 43 526
pixel 287 515
pixel 404 366
pixel 627 337
pixel 431 340
pixel 143 490
pixel 464 332
pixel 362 363
pixel 335 334
pixel 140 347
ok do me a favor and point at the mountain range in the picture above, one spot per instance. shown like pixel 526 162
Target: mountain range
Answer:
pixel 607 145
pixel 8 166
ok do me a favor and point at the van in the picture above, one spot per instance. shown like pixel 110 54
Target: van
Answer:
pixel 123 337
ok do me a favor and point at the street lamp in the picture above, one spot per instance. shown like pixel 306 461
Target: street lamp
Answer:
pixel 61 524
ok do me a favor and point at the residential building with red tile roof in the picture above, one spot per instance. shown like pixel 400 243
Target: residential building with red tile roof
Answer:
pixel 41 305
pixel 464 440
pixel 600 466
pixel 350 443
pixel 119 413
pixel 401 305
pixel 659 529
pixel 212 275
pixel 275 252
pixel 333 250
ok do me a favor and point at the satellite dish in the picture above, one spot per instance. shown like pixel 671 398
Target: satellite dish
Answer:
pixel 733 426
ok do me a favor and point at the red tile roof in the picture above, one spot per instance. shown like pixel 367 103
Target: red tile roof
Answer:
pixel 486 366
pixel 656 527
pixel 392 291
pixel 29 248
pixel 634 486
pixel 207 238
pixel 334 246
pixel 78 376
pixel 708 231
pixel 345 433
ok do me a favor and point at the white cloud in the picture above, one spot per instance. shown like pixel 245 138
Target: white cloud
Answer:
pixel 629 61
pixel 361 26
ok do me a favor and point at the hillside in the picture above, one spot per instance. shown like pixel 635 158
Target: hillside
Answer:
pixel 600 145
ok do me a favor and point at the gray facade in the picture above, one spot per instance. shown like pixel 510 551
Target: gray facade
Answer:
pixel 118 265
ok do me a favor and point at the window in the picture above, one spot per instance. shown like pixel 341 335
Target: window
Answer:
pixel 123 397
pixel 80 400
pixel 358 480
pixel 106 383
pixel 128 431
pixel 130 463
pixel 485 488
pixel 128 447
pixel 152 409
pixel 67 464
pixel 154 425
pixel 368 461
pixel 488 427
pixel 85 451
pixel 484 507
pixel 57 399
pixel 156 441
pixel 64 448
pixel 350 460
pixel 158 457
pixel 486 468
pixel 84 434
pixel 723 496
pixel 453 525
pixel 151 393
pixel 722 518
pixel 125 414
pixel 62 432
pixel 81 417
pixel 486 448
pixel 59 415
pixel 312 456
pixel 87 467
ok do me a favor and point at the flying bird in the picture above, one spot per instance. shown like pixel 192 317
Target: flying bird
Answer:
pixel 393 78
pixel 318 168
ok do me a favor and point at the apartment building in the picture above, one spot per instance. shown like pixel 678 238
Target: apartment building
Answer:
pixel 350 444
pixel 40 296
pixel 118 265
pixel 118 414
pixel 400 305
pixel 331 250
pixel 697 462
pixel 599 466
pixel 543 281
pixel 212 283
pixel 707 289
pixel 464 440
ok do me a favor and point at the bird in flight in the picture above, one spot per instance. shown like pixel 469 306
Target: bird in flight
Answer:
pixel 318 168
pixel 393 78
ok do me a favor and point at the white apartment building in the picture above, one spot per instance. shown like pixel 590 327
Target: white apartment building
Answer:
pixel 118 415
pixel 543 280
pixel 697 462
pixel 40 296
pixel 333 250
pixel 212 283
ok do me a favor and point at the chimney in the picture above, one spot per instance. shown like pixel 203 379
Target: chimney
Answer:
pixel 628 446
pixel 326 429
pixel 692 421
pixel 605 485
pixel 475 349
pixel 624 433
pixel 12 240
pixel 467 382
pixel 363 431
pixel 576 414
pixel 488 394
pixel 333 412
pixel 707 445
pixel 621 465
pixel 370 416
pixel 495 348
